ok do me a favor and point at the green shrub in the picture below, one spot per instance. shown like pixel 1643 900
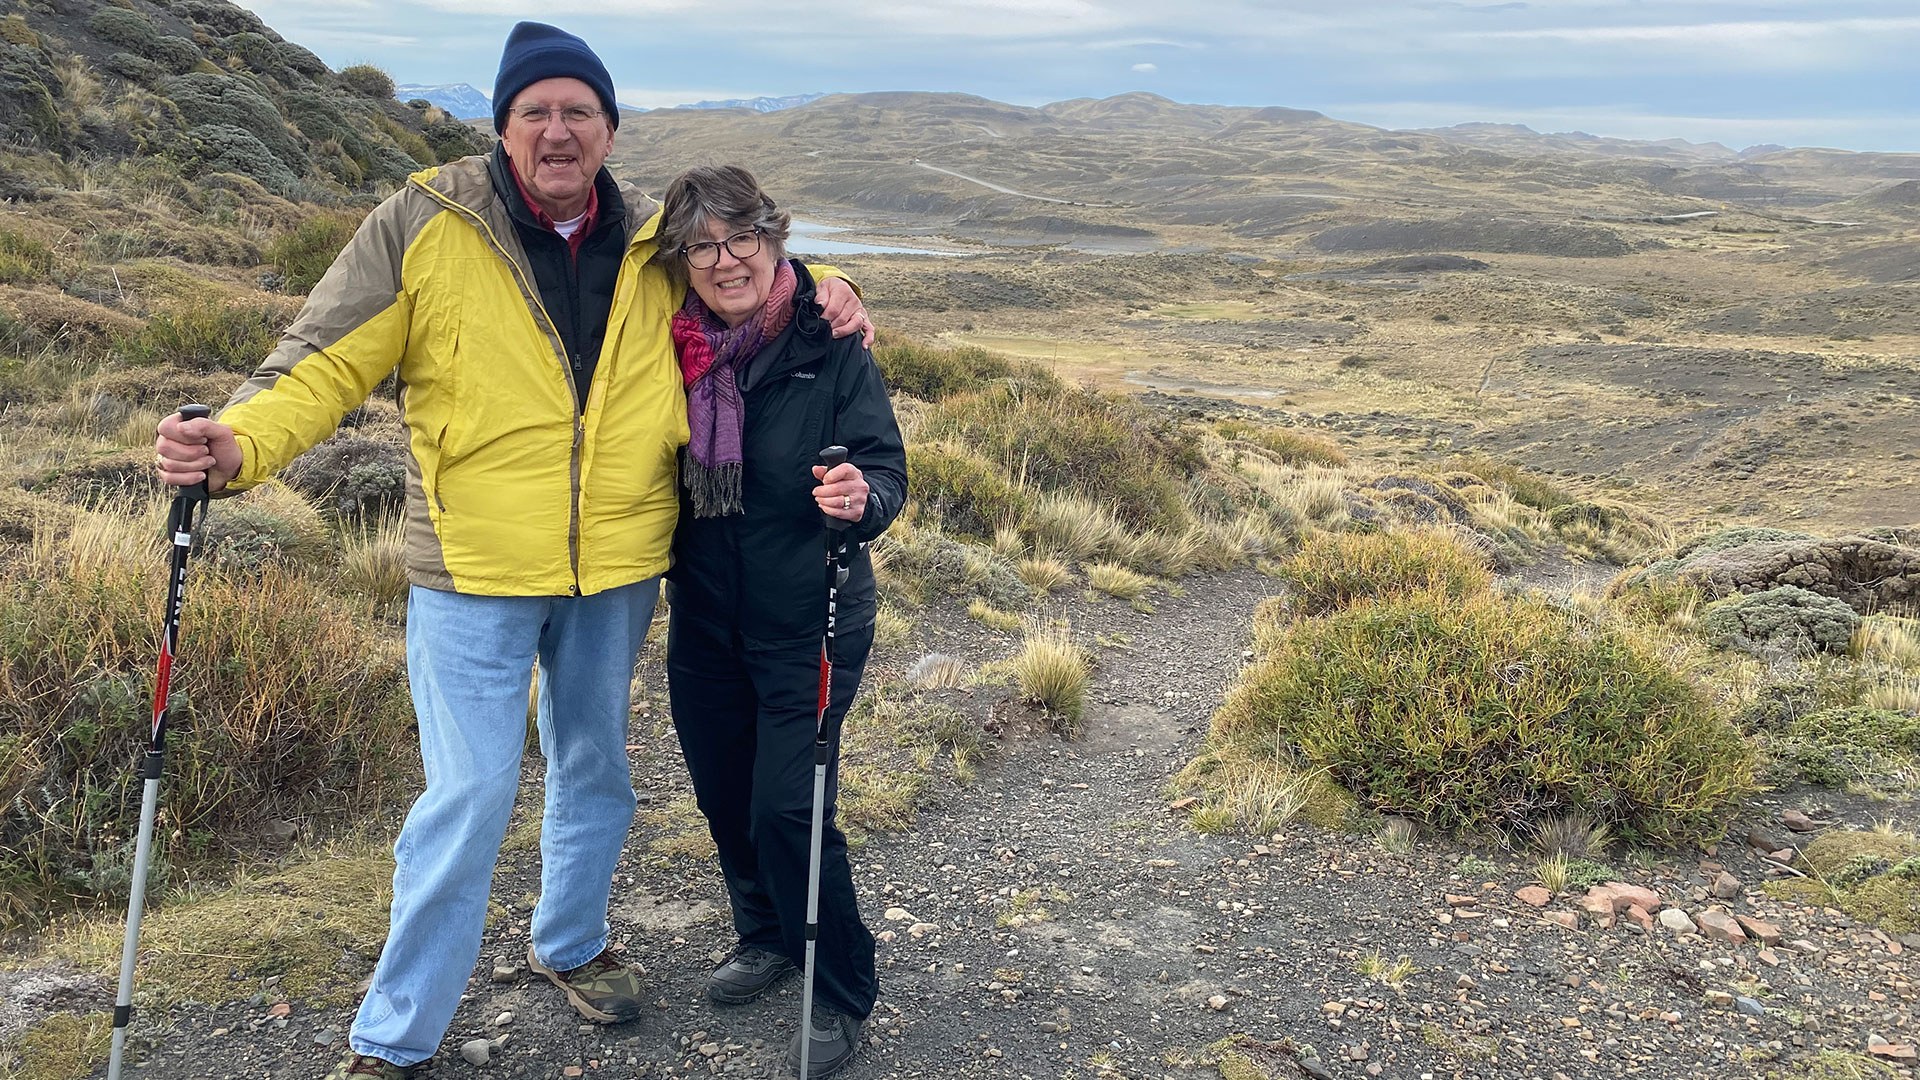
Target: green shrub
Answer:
pixel 23 260
pixel 302 254
pixel 246 537
pixel 301 59
pixel 1786 619
pixel 934 374
pixel 367 81
pixel 175 55
pixel 1849 746
pixel 1049 436
pixel 210 336
pixel 1616 532
pixel 913 563
pixel 1737 536
pixel 1865 873
pixel 1334 570
pixel 223 101
pixel 284 705
pixel 967 494
pixel 227 148
pixel 1486 713
pixel 122 27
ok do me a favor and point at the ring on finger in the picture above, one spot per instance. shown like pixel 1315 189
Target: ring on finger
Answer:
pixel 846 502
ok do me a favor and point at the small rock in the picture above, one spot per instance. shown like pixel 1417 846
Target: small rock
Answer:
pixel 1533 896
pixel 476 1051
pixel 1565 918
pixel 1640 917
pixel 1749 1006
pixel 572 1071
pixel 325 1037
pixel 1717 925
pixel 1719 999
pixel 1677 921
pixel 1765 932
pixel 1797 821
pixel 898 914
pixel 1454 900
pixel 503 1019
pixel 1891 1051
pixel 280 1008
pixel 506 973
pixel 922 929
pixel 1218 1003
pixel 710 1049
pixel 1726 886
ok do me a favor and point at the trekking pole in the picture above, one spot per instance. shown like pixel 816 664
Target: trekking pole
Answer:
pixel 180 529
pixel 832 457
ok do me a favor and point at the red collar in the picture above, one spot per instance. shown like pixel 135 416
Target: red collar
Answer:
pixel 546 222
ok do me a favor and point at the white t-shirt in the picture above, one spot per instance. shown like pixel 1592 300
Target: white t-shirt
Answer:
pixel 566 229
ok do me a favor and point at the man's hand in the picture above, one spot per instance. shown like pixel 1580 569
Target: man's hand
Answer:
pixel 189 451
pixel 841 307
pixel 842 493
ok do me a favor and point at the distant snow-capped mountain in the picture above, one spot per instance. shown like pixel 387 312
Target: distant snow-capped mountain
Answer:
pixel 460 99
pixel 759 104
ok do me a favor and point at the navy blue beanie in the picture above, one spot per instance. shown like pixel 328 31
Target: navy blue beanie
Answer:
pixel 537 51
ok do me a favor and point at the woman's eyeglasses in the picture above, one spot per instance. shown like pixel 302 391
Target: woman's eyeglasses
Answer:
pixel 706 255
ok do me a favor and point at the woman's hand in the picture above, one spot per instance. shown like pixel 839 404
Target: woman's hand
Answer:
pixel 842 493
pixel 841 307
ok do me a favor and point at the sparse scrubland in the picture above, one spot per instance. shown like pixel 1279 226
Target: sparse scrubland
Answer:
pixel 1486 654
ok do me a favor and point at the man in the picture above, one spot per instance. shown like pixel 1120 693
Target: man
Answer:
pixel 515 296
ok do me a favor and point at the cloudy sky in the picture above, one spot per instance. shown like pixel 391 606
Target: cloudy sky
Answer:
pixel 1836 73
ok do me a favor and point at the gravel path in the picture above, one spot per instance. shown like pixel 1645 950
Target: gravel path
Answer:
pixel 1056 919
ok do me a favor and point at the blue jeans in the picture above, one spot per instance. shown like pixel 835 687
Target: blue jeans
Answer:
pixel 469 660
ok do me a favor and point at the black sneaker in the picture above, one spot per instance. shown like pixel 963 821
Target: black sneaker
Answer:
pixel 746 975
pixel 835 1037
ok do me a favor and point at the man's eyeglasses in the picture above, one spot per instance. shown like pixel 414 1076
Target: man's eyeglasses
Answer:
pixel 706 255
pixel 575 117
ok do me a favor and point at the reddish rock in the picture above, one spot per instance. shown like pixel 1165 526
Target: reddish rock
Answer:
pixel 1726 886
pixel 1565 918
pixel 1455 900
pixel 1893 1051
pixel 1639 896
pixel 1797 821
pixel 1598 901
pixel 1533 896
pixel 1765 932
pixel 1640 917
pixel 1717 925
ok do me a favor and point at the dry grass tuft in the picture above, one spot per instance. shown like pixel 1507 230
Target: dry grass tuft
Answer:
pixel 1054 672
pixel 373 564
pixel 1116 580
pixel 992 617
pixel 1043 574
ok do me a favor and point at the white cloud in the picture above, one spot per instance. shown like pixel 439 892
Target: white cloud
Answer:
pixel 1145 69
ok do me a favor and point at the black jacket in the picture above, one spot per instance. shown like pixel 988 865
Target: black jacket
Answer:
pixel 762 574
pixel 576 291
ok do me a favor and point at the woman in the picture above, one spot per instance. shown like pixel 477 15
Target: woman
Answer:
pixel 767 388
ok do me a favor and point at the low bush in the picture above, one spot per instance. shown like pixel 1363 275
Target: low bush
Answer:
pixel 966 493
pixel 283 705
pixel 367 81
pixel 1048 436
pixel 23 259
pixel 1848 747
pixel 269 526
pixel 1286 445
pixel 1332 571
pixel 1614 531
pixel 210 335
pixel 1782 621
pixel 1526 486
pixel 302 254
pixel 1485 713
pixel 912 563
pixel 1116 580
pixel 934 374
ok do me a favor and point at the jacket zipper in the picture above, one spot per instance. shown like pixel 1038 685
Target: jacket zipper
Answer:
pixel 573 391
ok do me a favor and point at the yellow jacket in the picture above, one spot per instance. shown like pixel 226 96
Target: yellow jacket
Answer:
pixel 511 490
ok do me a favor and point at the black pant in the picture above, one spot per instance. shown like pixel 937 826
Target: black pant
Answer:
pixel 745 717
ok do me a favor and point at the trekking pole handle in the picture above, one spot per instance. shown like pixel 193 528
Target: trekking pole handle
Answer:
pixel 196 492
pixel 833 457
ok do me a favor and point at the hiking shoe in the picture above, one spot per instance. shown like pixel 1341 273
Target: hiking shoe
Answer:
pixel 746 975
pixel 603 989
pixel 835 1037
pixel 367 1067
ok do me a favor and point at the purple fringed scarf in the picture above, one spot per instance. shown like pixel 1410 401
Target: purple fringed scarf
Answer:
pixel 711 353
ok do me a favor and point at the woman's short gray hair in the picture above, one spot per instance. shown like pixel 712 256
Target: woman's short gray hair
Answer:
pixel 725 193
